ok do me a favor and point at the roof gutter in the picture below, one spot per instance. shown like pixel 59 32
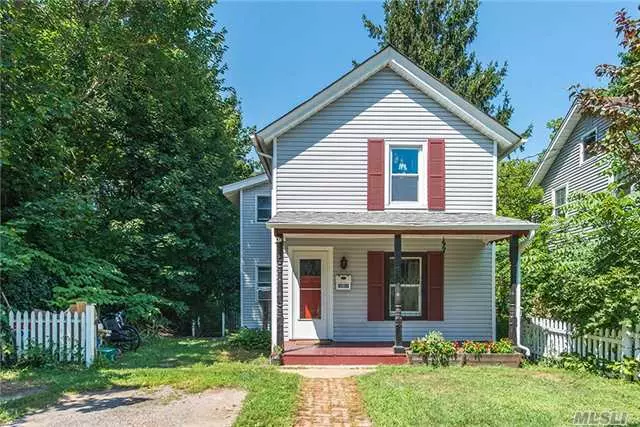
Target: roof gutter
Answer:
pixel 265 158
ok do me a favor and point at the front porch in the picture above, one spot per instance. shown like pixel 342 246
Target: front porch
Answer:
pixel 341 353
pixel 403 281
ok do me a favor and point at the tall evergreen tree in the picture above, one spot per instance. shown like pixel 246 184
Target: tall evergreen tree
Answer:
pixel 436 34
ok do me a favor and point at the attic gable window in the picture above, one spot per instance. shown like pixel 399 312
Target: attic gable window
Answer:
pixel 587 148
pixel 405 175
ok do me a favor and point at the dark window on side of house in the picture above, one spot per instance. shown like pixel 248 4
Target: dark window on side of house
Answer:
pixel 588 145
pixel 263 210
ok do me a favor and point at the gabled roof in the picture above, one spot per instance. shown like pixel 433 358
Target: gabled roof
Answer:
pixel 507 139
pixel 566 127
pixel 232 191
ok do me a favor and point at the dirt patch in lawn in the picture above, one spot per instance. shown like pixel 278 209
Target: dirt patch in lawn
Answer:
pixel 135 407
pixel 547 376
pixel 14 390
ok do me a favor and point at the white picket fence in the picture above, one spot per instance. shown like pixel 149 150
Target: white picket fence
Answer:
pixel 550 338
pixel 67 336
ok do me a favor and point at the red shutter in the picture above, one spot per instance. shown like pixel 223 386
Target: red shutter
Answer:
pixel 435 286
pixel 436 173
pixel 375 175
pixel 375 286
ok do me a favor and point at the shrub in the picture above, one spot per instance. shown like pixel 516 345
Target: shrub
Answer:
pixel 434 349
pixel 475 347
pixel 503 346
pixel 251 339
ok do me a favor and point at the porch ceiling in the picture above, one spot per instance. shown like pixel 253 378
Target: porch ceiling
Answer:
pixel 399 222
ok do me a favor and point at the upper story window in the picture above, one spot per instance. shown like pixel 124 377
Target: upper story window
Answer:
pixel 405 176
pixel 263 208
pixel 560 197
pixel 587 147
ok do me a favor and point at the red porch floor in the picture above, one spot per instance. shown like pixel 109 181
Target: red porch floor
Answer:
pixel 341 354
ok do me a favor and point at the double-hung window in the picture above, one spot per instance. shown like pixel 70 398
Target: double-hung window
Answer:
pixel 263 281
pixel 263 208
pixel 587 149
pixel 410 283
pixel 405 175
pixel 560 196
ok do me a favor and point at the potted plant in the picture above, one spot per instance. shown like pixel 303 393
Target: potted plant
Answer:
pixel 433 349
pixel 492 353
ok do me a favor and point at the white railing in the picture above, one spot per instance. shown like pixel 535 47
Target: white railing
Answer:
pixel 66 336
pixel 550 338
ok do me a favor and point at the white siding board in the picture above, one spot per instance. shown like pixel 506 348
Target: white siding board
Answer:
pixel 330 148
pixel 589 176
pixel 256 250
pixel 467 290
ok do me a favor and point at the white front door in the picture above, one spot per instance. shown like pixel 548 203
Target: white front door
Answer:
pixel 311 303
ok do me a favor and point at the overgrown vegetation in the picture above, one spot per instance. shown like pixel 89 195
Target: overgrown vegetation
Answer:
pixel 584 268
pixel 627 369
pixel 188 364
pixel 258 340
pixel 491 396
pixel 117 131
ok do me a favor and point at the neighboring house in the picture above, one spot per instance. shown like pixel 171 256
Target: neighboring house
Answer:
pixel 569 164
pixel 382 185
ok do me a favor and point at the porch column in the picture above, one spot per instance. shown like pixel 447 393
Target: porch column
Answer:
pixel 279 293
pixel 397 254
pixel 514 259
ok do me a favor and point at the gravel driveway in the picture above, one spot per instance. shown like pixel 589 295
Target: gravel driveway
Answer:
pixel 134 407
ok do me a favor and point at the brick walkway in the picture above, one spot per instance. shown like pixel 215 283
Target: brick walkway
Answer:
pixel 331 402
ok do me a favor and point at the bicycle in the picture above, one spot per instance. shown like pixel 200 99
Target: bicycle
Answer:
pixel 124 337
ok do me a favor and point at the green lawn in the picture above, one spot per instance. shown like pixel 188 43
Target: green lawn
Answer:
pixel 189 364
pixel 421 396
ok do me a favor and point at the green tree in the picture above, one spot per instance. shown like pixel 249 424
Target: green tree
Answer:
pixel 619 103
pixel 118 129
pixel 589 278
pixel 436 35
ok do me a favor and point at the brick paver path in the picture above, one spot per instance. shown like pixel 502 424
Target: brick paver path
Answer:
pixel 331 402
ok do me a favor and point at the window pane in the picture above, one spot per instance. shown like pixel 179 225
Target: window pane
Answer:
pixel 410 298
pixel 264 202
pixel 264 276
pixel 404 188
pixel 404 160
pixel 561 196
pixel 409 271
pixel 310 267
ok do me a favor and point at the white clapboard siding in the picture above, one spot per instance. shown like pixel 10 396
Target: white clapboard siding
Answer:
pixel 550 338
pixel 67 336
pixel 321 164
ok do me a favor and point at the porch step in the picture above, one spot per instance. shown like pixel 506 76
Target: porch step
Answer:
pixel 335 359
pixel 342 354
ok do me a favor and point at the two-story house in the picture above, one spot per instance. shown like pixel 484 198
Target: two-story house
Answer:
pixel 570 164
pixel 376 216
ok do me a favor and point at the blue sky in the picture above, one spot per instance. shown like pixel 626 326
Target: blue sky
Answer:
pixel 281 53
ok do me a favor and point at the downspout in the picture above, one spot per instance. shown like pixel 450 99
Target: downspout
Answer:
pixel 519 344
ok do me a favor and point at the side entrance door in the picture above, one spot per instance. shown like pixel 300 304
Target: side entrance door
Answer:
pixel 312 270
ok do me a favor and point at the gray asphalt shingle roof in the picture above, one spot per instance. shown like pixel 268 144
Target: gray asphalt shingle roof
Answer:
pixel 397 220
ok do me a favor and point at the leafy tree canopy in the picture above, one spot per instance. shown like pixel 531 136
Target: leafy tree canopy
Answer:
pixel 117 132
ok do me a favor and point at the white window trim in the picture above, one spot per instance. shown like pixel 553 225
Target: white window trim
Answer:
pixel 419 285
pixel 582 159
pixel 553 197
pixel 256 200
pixel 257 280
pixel 422 175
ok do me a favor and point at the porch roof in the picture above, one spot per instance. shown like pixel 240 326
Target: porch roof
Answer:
pixel 416 222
